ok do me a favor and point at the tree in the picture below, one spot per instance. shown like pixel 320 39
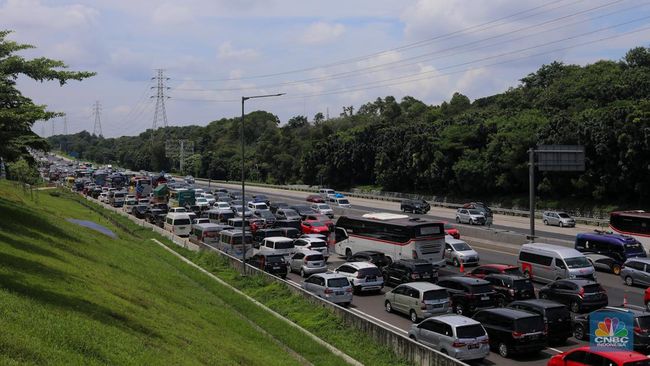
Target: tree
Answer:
pixel 18 113
pixel 21 171
pixel 319 118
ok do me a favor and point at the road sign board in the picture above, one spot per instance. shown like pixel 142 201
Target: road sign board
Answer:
pixel 567 158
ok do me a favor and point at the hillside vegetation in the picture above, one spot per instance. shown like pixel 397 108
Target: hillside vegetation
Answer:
pixel 71 295
pixel 459 147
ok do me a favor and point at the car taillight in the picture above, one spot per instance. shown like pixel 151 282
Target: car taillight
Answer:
pixel 458 344
pixel 582 292
pixel 415 254
pixel 485 341
pixel 639 330
pixel 512 292
pixel 517 335
pixel 349 289
pixel 328 290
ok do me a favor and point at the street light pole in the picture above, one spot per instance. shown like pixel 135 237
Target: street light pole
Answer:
pixel 243 182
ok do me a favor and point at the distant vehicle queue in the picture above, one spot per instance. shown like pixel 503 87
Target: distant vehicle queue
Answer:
pixel 493 307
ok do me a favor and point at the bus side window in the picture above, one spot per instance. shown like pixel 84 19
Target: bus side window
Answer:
pixel 340 234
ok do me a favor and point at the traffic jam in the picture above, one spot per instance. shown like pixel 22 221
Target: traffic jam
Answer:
pixel 476 301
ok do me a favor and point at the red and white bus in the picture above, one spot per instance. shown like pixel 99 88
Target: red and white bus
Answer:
pixel 633 223
pixel 397 236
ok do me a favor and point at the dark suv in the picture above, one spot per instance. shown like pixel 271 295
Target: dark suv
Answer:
pixel 409 270
pixel 641 326
pixel 415 206
pixel 260 234
pixel 469 294
pixel 379 259
pixel 557 317
pixel 271 263
pixel 511 288
pixel 578 295
pixel 513 331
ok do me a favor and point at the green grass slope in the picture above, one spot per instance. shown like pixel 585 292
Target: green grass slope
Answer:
pixel 71 295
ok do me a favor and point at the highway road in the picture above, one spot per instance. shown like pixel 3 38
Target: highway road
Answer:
pixel 371 306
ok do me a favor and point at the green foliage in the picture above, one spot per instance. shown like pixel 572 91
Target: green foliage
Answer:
pixel 18 113
pixel 460 148
pixel 21 171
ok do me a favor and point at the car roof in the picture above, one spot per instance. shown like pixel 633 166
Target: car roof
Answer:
pixel 329 275
pixel 634 312
pixel 558 249
pixel 622 356
pixel 360 265
pixel 540 303
pixel 465 280
pixel 422 286
pixel 451 241
pixel 506 276
pixel 312 239
pixel 454 320
pixel 510 312
pixel 309 252
pixel 278 238
pixel 606 236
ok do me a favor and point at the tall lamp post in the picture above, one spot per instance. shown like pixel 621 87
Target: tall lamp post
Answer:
pixel 243 183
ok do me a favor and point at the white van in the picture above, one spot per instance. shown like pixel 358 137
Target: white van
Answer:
pixel 257 206
pixel 178 223
pixel 325 192
pixel 277 245
pixel 546 263
pixel 341 202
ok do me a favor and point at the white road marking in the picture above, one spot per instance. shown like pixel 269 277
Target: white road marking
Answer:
pixel 378 320
pixel 554 349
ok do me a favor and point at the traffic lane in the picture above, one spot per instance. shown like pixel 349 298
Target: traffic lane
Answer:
pixel 292 197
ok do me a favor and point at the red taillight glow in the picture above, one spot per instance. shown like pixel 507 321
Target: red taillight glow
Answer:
pixel 582 292
pixel 328 291
pixel 640 330
pixel 458 344
pixel 517 335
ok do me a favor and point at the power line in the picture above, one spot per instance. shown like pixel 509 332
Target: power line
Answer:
pixel 160 113
pixel 97 128
pixel 65 125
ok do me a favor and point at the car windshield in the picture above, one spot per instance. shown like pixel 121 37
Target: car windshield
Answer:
pixel 522 284
pixel 475 212
pixel 182 222
pixel 470 331
pixel 283 244
pixel 461 247
pixel 275 259
pixel 338 282
pixel 266 214
pixel 481 289
pixel 577 262
pixel 513 271
pixel 316 223
pixel 344 202
pixel 435 295
pixel 564 216
pixel 633 247
pixel 291 213
pixel 530 324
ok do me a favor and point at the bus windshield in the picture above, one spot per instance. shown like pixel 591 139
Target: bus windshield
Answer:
pixel 633 247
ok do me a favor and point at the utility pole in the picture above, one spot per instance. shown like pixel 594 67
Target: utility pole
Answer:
pixel 65 125
pixel 52 127
pixel 179 149
pixel 160 114
pixel 97 110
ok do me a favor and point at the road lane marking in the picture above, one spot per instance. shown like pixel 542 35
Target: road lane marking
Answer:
pixel 555 350
pixel 378 320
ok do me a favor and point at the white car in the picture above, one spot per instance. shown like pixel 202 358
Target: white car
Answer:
pixel 202 202
pixel 457 251
pixel 177 210
pixel 470 216
pixel 323 209
pixel 103 197
pixel 363 276
pixel 210 198
pixel 222 206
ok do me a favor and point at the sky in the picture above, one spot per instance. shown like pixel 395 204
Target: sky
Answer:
pixel 323 54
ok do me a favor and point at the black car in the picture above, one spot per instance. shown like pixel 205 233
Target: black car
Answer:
pixel 415 206
pixel 161 206
pixel 408 270
pixel 557 317
pixel 261 198
pixel 140 211
pixel 303 210
pixel 578 295
pixel 377 258
pixel 271 263
pixel 277 205
pixel 156 216
pixel 283 223
pixel 287 214
pixel 469 294
pixel 641 326
pixel 511 288
pixel 289 232
pixel 268 217
pixel 513 331
pixel 195 208
pixel 260 234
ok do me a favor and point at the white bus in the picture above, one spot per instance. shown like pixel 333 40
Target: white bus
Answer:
pixel 397 236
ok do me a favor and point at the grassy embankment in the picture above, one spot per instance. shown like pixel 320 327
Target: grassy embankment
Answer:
pixel 71 295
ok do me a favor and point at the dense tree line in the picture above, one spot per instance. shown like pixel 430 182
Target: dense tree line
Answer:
pixel 459 147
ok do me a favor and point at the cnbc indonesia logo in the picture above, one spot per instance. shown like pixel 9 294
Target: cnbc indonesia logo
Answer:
pixel 611 333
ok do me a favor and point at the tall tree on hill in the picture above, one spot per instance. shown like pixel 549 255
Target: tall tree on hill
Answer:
pixel 18 113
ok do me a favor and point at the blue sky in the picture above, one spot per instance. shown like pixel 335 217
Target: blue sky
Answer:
pixel 476 47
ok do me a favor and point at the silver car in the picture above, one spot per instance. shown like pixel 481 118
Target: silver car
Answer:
pixel 470 216
pixel 323 209
pixel 307 262
pixel 457 251
pixel 636 271
pixel 458 336
pixel 312 243
pixel 418 300
pixel 363 276
pixel 558 218
pixel 332 287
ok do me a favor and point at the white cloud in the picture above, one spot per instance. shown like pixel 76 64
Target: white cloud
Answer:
pixel 227 51
pixel 171 14
pixel 322 32
pixel 33 14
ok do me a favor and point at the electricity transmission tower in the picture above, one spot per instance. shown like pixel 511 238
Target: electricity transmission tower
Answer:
pixel 97 110
pixel 52 127
pixel 160 114
pixel 178 150
pixel 65 125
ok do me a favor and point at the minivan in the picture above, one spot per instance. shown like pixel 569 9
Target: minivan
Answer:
pixel 546 263
pixel 557 317
pixel 636 271
pixel 513 331
pixel 418 300
pixel 307 262
pixel 178 223
pixel 277 245
pixel 617 246
pixel 511 288
pixel 458 336
pixel 332 287
pixel 325 192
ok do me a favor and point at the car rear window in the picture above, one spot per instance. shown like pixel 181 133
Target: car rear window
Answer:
pixel 559 312
pixel 315 257
pixel 512 271
pixel 275 259
pixel 644 322
pixel 480 289
pixel 590 289
pixel 370 272
pixel 530 324
pixel 523 284
pixel 283 244
pixel 338 282
pixel 318 244
pixel 420 268
pixel 182 222
pixel 435 295
pixel 470 331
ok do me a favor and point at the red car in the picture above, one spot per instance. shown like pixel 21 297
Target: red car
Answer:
pixel 486 269
pixel 313 227
pixel 585 356
pixel 314 198
pixel 451 230
pixel 646 298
